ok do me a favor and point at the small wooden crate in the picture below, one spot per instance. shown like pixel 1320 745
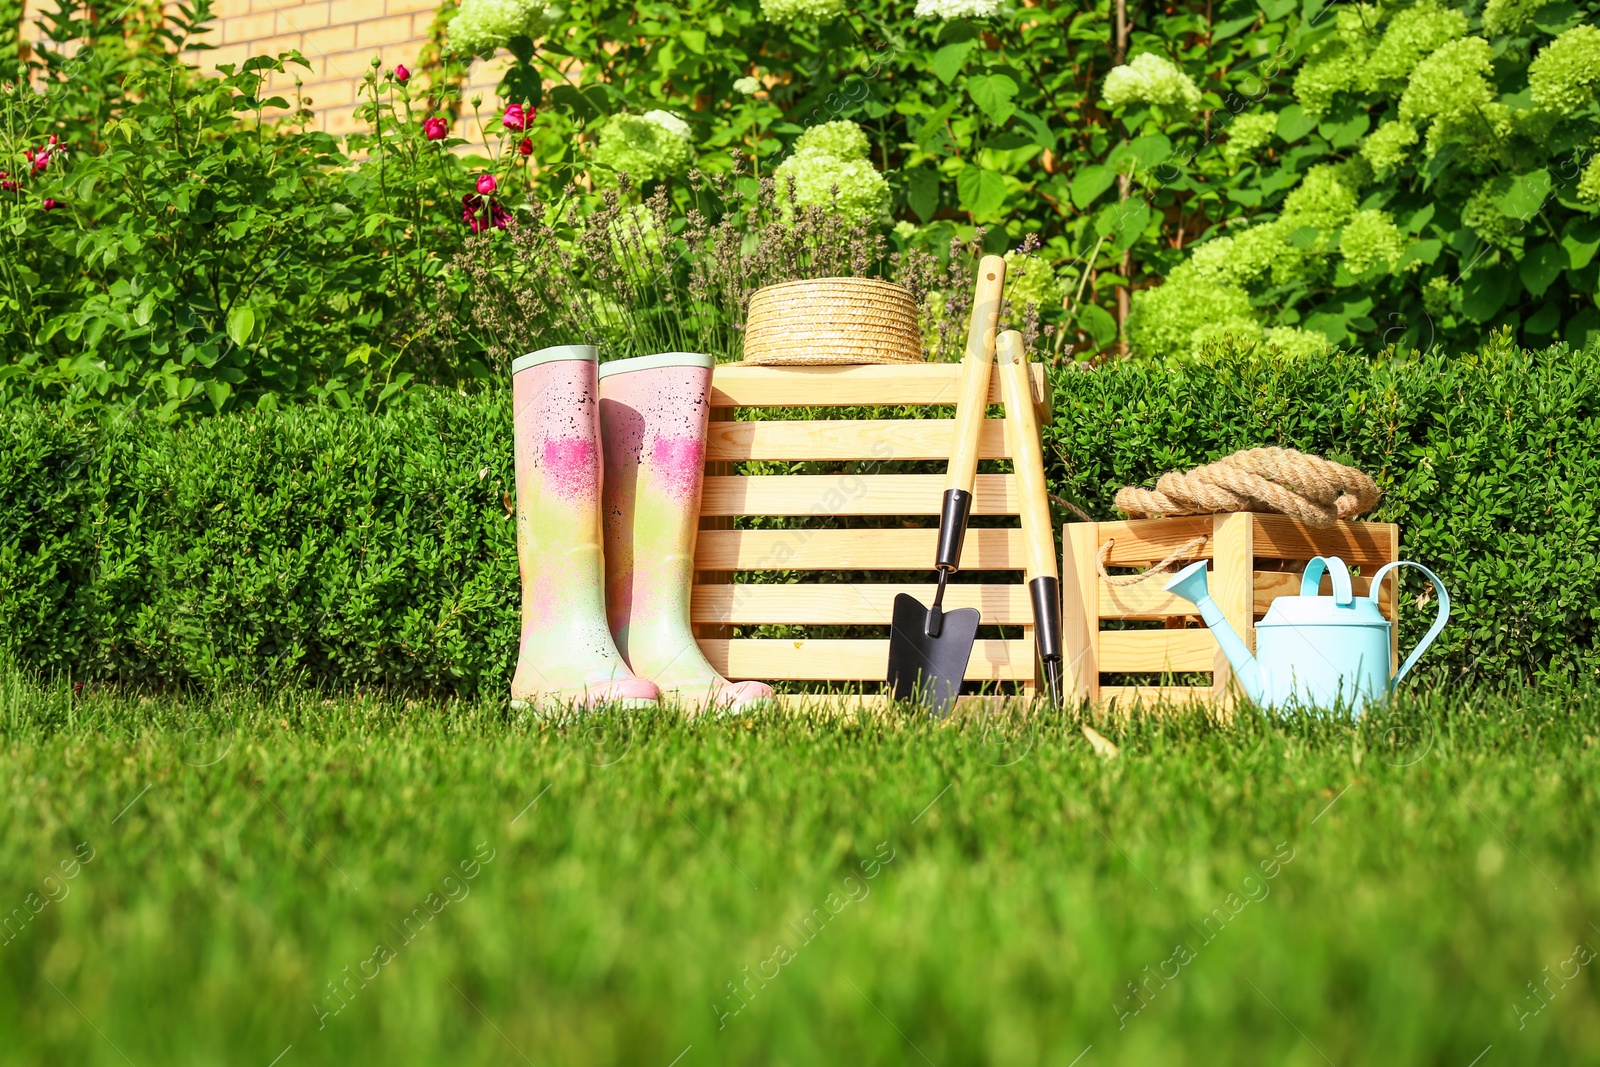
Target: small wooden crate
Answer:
pixel 850 665
pixel 1254 558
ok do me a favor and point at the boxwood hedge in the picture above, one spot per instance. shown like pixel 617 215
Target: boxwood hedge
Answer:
pixel 348 550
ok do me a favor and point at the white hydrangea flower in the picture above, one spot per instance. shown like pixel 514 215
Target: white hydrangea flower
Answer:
pixel 841 138
pixel 645 147
pixel 669 122
pixel 801 12
pixel 484 25
pixel 957 9
pixel 851 186
pixel 748 86
pixel 1154 80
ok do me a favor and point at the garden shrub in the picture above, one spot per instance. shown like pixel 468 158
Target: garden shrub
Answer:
pixel 166 242
pixel 352 549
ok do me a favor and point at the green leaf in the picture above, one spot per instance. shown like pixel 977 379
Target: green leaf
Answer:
pixel 218 392
pixel 982 192
pixel 1420 252
pixel 1089 183
pixel 1043 135
pixel 143 311
pixel 1541 266
pixel 1583 329
pixel 1331 324
pixel 1223 30
pixel 1150 150
pixel 922 193
pixel 1581 242
pixel 993 93
pixel 948 61
pixel 1123 222
pixel 1294 123
pixel 241 322
pixel 1553 18
pixel 1526 195
pixel 1344 134
pixel 1097 322
pixel 1544 321
pixel 1484 292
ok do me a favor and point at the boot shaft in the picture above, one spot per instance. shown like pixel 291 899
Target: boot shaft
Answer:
pixel 654 412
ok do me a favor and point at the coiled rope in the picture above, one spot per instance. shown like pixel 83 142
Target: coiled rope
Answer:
pixel 1314 490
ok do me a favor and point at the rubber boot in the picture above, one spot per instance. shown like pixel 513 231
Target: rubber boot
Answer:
pixel 567 657
pixel 653 417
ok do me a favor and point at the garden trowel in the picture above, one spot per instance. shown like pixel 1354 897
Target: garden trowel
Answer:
pixel 928 646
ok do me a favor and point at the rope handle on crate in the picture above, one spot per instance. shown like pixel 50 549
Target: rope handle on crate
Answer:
pixel 1183 551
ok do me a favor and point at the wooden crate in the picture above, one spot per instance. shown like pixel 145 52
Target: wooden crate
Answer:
pixel 1254 558
pixel 718 604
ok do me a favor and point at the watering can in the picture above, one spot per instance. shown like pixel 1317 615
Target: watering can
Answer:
pixel 1314 650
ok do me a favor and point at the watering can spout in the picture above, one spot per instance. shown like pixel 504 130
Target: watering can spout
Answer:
pixel 1190 583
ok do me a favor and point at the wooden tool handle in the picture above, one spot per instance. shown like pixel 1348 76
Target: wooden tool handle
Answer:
pixel 1027 456
pixel 973 399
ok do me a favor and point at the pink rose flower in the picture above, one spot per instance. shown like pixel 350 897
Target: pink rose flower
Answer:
pixel 401 74
pixel 435 128
pixel 486 184
pixel 514 118
pixel 49 204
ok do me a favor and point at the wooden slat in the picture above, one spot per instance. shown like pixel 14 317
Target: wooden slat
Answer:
pixel 986 549
pixel 1080 626
pixel 833 660
pixel 743 385
pixel 1142 541
pixel 849 494
pixel 1145 651
pixel 1155 696
pixel 841 604
pixel 876 440
pixel 1139 542
pixel 1232 581
pixel 1147 600
pixel 1273 584
pixel 1364 544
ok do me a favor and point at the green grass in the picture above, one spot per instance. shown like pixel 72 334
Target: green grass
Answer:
pixel 1427 865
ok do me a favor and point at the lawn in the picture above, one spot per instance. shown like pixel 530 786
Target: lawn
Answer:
pixel 281 878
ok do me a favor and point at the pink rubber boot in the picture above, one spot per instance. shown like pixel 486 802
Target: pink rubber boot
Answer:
pixel 653 416
pixel 567 656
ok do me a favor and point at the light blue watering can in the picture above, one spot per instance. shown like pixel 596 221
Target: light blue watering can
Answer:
pixel 1314 650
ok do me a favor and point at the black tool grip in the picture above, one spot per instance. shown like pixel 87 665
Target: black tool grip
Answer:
pixel 952 528
pixel 1046 592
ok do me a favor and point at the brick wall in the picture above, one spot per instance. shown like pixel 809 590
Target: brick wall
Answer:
pixel 338 38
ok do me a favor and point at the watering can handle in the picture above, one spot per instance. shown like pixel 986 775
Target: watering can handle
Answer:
pixel 1311 580
pixel 1438 622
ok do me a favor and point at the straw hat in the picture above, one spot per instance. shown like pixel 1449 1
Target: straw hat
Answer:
pixel 832 321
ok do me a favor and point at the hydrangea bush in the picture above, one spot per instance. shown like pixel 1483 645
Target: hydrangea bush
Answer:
pixel 1380 173
pixel 1435 183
